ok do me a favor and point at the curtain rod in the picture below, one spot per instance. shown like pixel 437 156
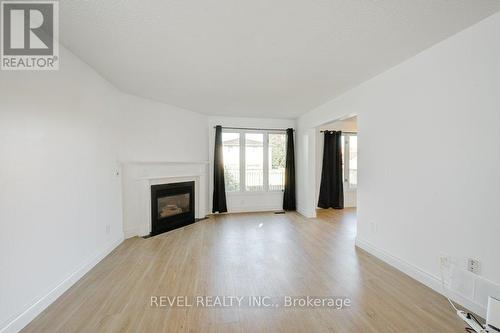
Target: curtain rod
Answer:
pixel 255 129
pixel 341 131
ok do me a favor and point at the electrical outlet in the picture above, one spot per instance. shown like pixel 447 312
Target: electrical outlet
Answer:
pixel 445 261
pixel 108 229
pixel 474 266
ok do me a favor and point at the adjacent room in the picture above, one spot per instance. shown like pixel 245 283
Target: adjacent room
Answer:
pixel 249 166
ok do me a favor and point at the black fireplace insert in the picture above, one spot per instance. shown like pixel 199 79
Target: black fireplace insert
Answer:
pixel 172 206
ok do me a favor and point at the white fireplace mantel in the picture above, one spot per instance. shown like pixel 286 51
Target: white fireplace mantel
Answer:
pixel 137 180
pixel 160 178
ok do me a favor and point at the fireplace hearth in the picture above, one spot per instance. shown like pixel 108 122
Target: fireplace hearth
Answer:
pixel 172 206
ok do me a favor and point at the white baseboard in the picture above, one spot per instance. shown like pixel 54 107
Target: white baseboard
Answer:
pixel 19 322
pixel 421 276
pixel 249 209
pixel 132 232
pixel 306 213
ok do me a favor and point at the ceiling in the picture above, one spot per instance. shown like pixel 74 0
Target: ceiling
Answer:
pixel 255 58
pixel 349 124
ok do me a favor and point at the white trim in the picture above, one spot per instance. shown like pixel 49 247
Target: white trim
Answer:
pixel 307 214
pixel 165 162
pixel 420 275
pixel 265 158
pixel 253 193
pixel 161 178
pixel 23 319
pixel 250 209
pixel 147 182
pixel 132 232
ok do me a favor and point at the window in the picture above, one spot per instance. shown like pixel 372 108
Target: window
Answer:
pixel 254 161
pixel 277 159
pixel 350 159
pixel 231 152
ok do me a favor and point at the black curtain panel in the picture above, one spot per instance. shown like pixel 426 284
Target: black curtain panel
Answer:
pixel 331 193
pixel 289 193
pixel 219 196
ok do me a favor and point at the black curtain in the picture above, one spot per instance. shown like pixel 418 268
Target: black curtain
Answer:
pixel 331 193
pixel 219 196
pixel 289 194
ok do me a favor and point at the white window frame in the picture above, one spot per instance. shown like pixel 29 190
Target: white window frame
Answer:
pixel 346 157
pixel 265 160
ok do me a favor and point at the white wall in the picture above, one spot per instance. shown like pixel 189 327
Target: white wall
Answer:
pixel 429 147
pixel 63 138
pixel 152 131
pixel 58 185
pixel 245 201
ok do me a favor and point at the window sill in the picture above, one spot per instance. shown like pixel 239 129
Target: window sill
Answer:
pixel 255 193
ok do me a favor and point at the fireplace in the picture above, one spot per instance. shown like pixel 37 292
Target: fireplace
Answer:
pixel 172 206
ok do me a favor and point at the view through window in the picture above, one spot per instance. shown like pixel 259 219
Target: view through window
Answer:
pixel 231 153
pixel 277 160
pixel 254 161
pixel 350 159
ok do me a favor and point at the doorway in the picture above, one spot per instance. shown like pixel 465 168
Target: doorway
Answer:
pixel 349 143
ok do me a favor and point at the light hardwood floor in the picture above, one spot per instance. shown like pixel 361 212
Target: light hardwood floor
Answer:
pixel 260 254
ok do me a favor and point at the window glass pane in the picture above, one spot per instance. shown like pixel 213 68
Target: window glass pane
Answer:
pixel 231 151
pixel 342 144
pixel 277 160
pixel 353 160
pixel 254 161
